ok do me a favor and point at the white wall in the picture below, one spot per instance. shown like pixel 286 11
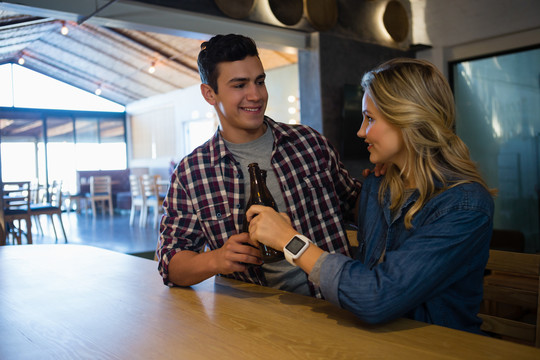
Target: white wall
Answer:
pixel 188 105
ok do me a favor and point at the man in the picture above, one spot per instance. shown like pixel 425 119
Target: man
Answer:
pixel 210 187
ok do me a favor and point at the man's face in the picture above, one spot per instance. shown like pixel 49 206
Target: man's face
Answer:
pixel 241 99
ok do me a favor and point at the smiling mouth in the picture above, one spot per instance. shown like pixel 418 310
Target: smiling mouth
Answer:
pixel 251 109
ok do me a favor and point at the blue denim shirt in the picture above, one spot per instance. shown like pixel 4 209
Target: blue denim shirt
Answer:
pixel 431 273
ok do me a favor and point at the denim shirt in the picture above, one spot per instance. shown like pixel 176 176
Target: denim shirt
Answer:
pixel 431 273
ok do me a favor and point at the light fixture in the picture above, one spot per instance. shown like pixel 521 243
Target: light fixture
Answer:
pixel 64 30
pixel 152 68
pixel 292 110
pixel 291 98
pixel 98 91
pixel 21 61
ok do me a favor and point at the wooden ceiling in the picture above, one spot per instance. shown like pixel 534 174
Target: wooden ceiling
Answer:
pixel 113 59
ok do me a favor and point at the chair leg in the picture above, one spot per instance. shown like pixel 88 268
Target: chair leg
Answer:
pixel 156 216
pixel 54 227
pixel 62 226
pixel 111 210
pixel 29 230
pixel 132 215
pixel 144 215
pixel 38 224
pixel 93 208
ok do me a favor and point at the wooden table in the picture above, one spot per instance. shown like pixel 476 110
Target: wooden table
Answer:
pixel 79 302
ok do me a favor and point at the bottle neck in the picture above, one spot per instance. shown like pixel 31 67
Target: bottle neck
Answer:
pixel 256 183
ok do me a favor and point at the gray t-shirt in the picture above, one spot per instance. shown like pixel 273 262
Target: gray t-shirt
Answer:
pixel 280 275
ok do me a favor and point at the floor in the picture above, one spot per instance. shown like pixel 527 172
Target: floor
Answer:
pixel 113 233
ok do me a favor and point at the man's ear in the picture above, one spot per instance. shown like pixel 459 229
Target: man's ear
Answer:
pixel 208 94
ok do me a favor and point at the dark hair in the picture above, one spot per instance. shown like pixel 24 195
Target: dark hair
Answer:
pixel 222 48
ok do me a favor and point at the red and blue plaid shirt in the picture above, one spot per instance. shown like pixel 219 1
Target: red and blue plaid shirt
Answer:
pixel 206 198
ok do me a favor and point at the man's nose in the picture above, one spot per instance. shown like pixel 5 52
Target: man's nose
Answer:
pixel 254 92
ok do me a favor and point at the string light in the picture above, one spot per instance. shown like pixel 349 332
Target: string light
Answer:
pixel 98 91
pixel 64 30
pixel 152 67
pixel 21 61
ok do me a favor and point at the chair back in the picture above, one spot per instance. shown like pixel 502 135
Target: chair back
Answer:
pixel 55 193
pixel 511 301
pixel 17 197
pixel 149 187
pixel 100 185
pixel 135 186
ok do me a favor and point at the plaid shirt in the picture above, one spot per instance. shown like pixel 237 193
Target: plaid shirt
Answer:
pixel 206 198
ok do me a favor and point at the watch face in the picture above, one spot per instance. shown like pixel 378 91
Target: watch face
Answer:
pixel 295 245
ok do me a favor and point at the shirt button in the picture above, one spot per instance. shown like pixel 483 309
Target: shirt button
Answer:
pixel 218 215
pixel 238 176
pixel 238 206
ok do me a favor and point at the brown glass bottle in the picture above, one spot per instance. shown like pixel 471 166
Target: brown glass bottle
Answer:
pixel 260 195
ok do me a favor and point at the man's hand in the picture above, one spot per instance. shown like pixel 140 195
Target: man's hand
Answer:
pixel 235 254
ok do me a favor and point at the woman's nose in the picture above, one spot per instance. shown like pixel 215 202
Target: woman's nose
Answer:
pixel 362 131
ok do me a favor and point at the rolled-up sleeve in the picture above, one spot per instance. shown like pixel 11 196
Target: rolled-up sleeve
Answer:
pixel 326 274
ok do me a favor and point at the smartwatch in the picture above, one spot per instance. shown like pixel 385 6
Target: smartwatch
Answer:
pixel 295 247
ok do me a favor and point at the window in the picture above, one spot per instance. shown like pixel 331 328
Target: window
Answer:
pixel 498 117
pixel 41 144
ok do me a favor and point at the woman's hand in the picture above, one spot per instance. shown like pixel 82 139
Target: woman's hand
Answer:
pixel 269 227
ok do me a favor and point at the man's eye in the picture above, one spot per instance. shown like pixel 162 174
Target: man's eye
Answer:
pixel 260 82
pixel 238 86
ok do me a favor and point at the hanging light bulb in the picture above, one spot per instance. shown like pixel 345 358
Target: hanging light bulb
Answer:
pixel 21 61
pixel 152 68
pixel 64 30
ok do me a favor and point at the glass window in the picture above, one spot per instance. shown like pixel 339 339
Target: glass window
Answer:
pixel 498 117
pixel 22 149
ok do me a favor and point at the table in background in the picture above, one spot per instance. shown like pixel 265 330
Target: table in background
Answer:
pixel 73 301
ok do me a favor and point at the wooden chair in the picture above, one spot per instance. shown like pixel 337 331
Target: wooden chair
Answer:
pixel 17 198
pixel 137 199
pixel 507 240
pixel 52 207
pixel 511 301
pixel 100 191
pixel 151 199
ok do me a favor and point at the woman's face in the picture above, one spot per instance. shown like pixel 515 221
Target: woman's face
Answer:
pixel 385 141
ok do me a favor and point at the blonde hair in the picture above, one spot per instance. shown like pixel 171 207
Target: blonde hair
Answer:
pixel 414 96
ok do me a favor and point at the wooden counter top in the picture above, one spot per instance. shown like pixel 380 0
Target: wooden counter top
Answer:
pixel 72 301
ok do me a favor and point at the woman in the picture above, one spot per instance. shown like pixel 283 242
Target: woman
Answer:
pixel 424 227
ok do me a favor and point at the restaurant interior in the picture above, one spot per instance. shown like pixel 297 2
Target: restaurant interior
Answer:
pixel 97 176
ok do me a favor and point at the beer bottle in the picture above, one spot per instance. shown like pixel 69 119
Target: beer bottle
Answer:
pixel 260 195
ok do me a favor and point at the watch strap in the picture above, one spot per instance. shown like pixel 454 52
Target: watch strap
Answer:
pixel 291 257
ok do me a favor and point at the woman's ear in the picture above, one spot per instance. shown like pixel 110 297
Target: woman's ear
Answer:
pixel 208 94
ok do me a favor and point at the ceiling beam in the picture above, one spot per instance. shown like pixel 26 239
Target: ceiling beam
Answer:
pixel 152 18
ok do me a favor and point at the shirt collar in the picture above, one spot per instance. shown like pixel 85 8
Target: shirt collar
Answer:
pixel 218 149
